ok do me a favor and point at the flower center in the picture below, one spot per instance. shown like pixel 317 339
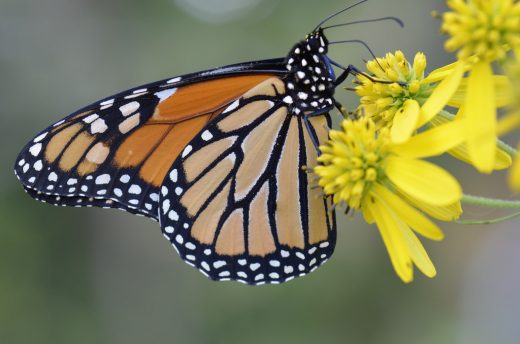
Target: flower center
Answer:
pixel 352 160
pixel 381 101
pixel 485 28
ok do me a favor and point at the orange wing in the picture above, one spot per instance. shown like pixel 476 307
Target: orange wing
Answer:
pixel 238 205
pixel 116 153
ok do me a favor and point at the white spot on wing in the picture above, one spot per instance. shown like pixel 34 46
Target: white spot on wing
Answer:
pixel 218 264
pixel 134 189
pixel 129 108
pixel 103 179
pixel 174 175
pixel 174 80
pixel 107 102
pixel 186 151
pixel 91 118
pixel 35 149
pixel 53 177
pixel 274 263
pixel 58 123
pixel 206 135
pixel 40 137
pixel 166 206
pixel 232 106
pixel 288 100
pixel 38 165
pixel 98 126
pixel 163 95
pixel 172 215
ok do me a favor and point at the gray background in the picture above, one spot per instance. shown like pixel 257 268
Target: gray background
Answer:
pixel 91 275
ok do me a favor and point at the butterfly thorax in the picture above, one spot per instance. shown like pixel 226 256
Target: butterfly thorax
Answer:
pixel 310 81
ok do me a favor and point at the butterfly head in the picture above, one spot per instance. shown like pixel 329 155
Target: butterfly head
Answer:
pixel 310 81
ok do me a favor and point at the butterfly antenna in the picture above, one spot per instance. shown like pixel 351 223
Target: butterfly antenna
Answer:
pixel 394 19
pixel 358 41
pixel 338 13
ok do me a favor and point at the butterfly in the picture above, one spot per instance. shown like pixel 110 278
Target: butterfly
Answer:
pixel 218 157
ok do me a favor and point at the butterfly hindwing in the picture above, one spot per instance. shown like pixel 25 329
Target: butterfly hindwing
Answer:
pixel 238 203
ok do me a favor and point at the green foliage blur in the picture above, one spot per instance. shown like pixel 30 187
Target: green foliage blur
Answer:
pixel 77 276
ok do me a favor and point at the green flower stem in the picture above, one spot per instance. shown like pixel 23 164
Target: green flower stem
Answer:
pixel 488 222
pixel 507 148
pixel 490 202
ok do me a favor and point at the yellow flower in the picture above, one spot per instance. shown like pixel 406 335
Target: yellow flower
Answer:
pixel 416 99
pixel 482 31
pixel 412 99
pixel 388 182
pixel 487 29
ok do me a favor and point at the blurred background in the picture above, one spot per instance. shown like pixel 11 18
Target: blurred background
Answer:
pixel 104 276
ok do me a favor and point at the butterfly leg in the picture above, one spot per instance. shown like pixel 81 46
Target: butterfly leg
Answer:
pixel 342 109
pixel 312 134
pixel 353 70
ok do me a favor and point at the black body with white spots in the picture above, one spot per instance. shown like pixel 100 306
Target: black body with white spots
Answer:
pixel 310 81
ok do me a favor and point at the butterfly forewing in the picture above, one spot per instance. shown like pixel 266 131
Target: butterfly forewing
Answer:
pixel 116 152
pixel 238 203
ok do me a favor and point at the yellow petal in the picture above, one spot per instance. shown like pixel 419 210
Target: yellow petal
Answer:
pixel 480 112
pixel 403 238
pixel 423 180
pixel 420 223
pixel 514 176
pixel 418 253
pixel 367 214
pixel 503 94
pixel 433 141
pixel 447 213
pixel 393 240
pixel 443 72
pixel 502 159
pixel 507 123
pixel 441 95
pixel 405 121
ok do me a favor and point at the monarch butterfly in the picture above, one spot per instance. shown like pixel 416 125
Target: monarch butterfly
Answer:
pixel 215 156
